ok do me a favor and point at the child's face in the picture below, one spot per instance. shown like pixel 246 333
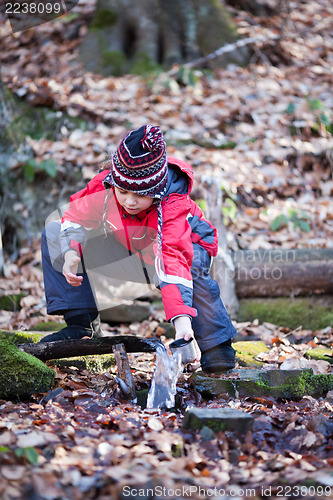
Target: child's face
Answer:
pixel 133 203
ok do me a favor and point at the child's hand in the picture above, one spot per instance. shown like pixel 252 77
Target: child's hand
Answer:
pixel 184 331
pixel 70 267
pixel 183 328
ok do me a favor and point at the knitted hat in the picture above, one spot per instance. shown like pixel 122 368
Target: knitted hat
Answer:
pixel 140 163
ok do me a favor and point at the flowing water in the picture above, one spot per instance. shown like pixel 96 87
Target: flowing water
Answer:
pixel 163 386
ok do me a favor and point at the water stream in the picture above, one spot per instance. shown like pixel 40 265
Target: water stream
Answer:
pixel 163 386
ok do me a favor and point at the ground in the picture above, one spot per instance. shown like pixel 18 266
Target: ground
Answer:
pixel 82 440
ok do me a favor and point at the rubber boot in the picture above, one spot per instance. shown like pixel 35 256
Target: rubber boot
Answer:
pixel 78 326
pixel 218 358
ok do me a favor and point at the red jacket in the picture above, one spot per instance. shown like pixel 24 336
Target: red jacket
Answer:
pixel 183 225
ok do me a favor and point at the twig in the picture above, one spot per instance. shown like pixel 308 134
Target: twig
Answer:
pixel 230 47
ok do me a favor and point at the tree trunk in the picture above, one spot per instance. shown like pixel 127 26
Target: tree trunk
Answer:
pixel 72 348
pixel 278 273
pixel 137 35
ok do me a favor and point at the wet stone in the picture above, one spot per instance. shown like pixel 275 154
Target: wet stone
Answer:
pixel 218 419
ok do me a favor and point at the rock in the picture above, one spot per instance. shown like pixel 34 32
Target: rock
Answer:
pixel 126 311
pixel 246 351
pixel 21 374
pixel 207 434
pixel 247 382
pixel 218 419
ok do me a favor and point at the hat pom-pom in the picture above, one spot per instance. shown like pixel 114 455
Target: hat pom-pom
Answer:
pixel 153 139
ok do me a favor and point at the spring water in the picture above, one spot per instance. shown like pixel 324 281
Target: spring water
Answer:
pixel 163 386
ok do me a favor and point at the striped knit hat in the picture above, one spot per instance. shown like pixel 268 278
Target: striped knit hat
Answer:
pixel 140 163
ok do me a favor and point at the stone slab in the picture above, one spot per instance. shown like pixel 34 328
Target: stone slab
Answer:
pixel 218 419
pixel 247 382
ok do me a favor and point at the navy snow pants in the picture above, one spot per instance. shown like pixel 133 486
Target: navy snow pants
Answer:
pixel 106 256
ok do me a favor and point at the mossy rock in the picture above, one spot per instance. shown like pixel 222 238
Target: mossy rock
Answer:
pixel 321 354
pixel 291 385
pixel 18 338
pixel 313 313
pixel 94 363
pixel 21 374
pixel 246 351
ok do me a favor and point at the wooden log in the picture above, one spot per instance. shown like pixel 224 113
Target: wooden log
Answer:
pixel 283 272
pixel 83 347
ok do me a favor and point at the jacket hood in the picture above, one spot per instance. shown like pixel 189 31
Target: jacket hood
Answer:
pixel 180 176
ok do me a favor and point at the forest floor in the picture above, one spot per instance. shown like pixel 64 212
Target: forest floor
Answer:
pixel 266 132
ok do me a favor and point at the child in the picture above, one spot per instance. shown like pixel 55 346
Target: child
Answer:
pixel 137 222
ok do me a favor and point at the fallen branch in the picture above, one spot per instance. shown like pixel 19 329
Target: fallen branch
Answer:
pixel 229 47
pixel 83 347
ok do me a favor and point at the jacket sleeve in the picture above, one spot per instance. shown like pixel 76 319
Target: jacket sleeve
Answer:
pixel 173 266
pixel 84 214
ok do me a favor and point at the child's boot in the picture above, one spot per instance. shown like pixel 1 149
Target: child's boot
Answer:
pixel 218 358
pixel 86 324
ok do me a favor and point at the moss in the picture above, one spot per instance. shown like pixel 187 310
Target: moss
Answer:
pixel 21 337
pixel 313 313
pixel 247 351
pixel 114 60
pixel 103 18
pixel 42 122
pixel 144 65
pixel 11 302
pixel 307 384
pixel 321 354
pixel 142 396
pixel 48 326
pixel 21 374
pixel 93 363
